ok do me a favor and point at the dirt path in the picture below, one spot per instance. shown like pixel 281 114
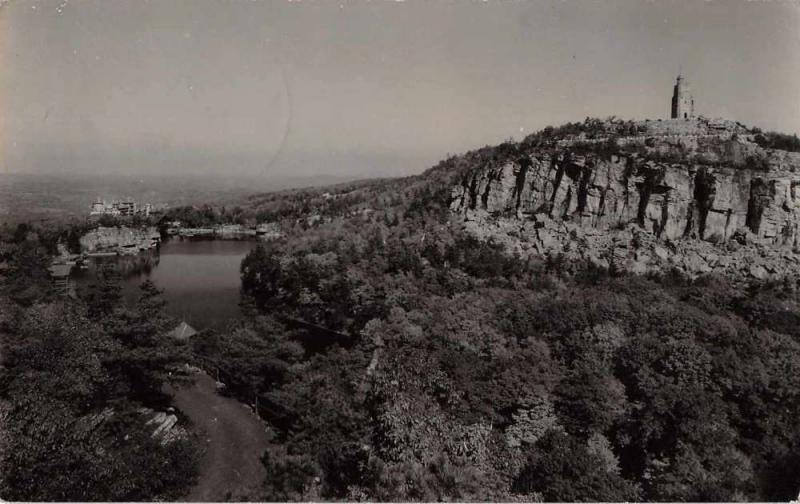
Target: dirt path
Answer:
pixel 234 440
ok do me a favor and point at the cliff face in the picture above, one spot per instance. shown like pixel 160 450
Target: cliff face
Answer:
pixel 698 195
pixel 111 238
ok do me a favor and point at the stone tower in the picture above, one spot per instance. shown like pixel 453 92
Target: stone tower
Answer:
pixel 682 101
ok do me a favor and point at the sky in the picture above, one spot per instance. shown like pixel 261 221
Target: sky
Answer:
pixel 364 88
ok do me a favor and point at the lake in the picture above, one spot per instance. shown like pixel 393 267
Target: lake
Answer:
pixel 200 278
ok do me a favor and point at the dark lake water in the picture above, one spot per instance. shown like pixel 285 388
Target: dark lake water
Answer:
pixel 200 278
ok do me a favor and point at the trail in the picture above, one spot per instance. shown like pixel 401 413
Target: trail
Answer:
pixel 234 438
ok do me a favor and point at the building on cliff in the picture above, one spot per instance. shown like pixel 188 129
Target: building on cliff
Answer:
pixel 682 100
pixel 124 208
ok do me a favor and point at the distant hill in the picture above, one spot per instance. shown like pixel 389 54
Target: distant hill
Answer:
pixel 61 196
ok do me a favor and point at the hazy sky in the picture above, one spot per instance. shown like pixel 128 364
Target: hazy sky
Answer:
pixel 380 87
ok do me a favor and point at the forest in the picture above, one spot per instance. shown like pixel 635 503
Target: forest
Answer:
pixel 395 357
pixel 75 374
pixel 464 373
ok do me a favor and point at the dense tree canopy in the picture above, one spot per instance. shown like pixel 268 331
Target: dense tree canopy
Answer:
pixel 467 373
pixel 75 374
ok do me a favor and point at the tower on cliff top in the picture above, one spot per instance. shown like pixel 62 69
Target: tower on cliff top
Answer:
pixel 682 101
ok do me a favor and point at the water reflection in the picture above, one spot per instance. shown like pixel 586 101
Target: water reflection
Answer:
pixel 200 278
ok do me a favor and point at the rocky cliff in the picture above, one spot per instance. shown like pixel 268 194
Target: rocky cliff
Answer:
pixel 116 238
pixel 698 195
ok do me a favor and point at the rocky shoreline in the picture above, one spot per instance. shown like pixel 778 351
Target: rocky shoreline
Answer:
pixel 120 240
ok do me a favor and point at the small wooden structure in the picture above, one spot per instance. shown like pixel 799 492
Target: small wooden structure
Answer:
pixel 59 274
pixel 183 332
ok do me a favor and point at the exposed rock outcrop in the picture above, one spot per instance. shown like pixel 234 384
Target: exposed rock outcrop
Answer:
pixel 164 426
pixel 116 238
pixel 697 195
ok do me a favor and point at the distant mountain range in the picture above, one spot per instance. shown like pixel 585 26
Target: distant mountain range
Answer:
pixel 61 196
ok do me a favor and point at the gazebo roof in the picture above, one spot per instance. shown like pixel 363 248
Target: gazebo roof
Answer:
pixel 183 331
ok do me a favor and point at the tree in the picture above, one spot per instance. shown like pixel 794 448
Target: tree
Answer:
pixel 105 295
pixel 588 401
pixel 73 434
pixel 563 469
pixel 261 275
pixel 28 277
pixel 149 357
